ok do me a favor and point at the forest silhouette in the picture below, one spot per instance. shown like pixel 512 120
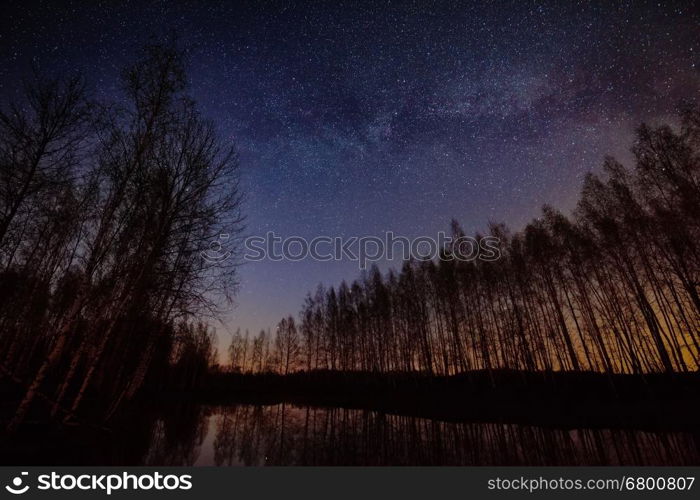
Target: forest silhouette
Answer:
pixel 106 300
pixel 612 289
pixel 104 210
pixel 585 321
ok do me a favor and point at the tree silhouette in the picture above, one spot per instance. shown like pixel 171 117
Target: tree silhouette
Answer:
pixel 613 289
pixel 104 211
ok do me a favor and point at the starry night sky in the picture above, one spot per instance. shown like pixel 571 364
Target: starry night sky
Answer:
pixel 359 118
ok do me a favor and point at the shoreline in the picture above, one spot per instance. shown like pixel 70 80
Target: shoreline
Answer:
pixel 548 399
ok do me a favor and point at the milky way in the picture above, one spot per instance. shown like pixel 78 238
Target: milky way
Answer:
pixel 356 119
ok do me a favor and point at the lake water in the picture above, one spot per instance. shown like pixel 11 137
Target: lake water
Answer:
pixel 289 435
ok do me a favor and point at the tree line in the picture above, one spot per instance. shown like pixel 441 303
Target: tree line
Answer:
pixel 612 288
pixel 104 209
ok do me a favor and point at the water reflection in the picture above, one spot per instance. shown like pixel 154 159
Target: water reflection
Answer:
pixel 288 435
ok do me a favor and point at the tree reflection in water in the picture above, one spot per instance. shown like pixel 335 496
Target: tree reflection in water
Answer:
pixel 287 435
pixel 190 434
pixel 177 439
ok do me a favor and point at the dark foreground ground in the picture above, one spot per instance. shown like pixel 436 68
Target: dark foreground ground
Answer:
pixel 551 399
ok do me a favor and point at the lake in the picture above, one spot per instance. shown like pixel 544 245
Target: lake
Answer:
pixel 284 434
